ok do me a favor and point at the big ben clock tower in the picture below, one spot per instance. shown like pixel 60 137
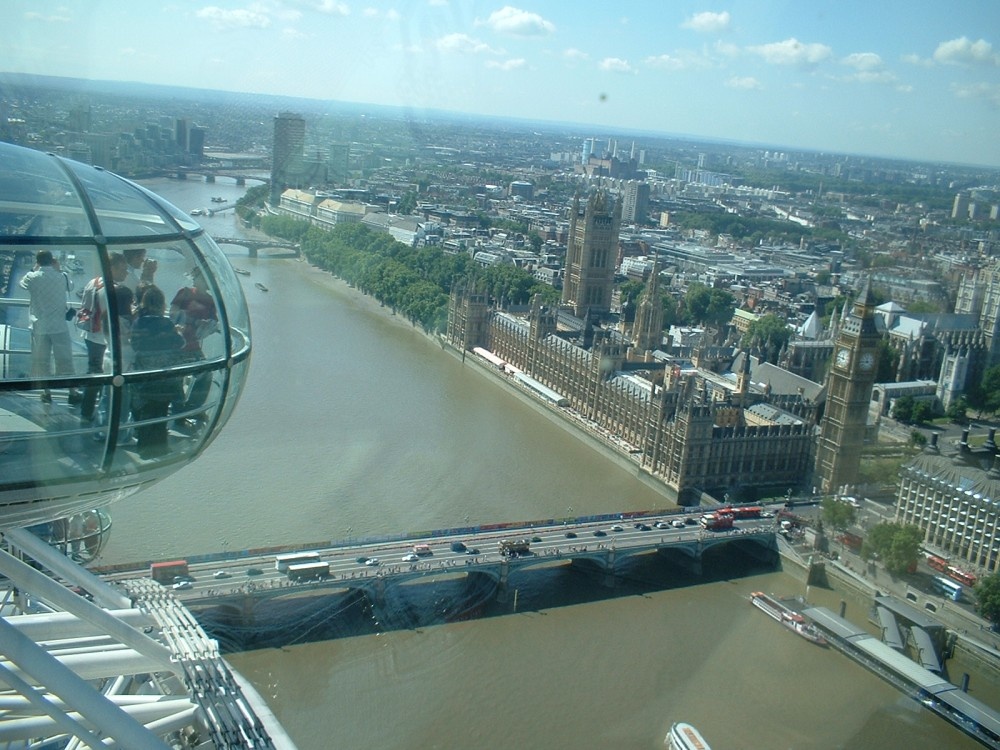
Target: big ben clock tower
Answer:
pixel 848 394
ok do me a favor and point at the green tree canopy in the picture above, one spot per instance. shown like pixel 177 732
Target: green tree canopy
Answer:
pixel 896 545
pixel 986 396
pixel 837 514
pixel 769 333
pixel 902 409
pixel 703 305
pixel 988 597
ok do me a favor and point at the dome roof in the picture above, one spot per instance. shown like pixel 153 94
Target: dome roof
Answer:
pixel 124 337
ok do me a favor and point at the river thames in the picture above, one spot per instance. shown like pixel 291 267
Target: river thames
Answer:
pixel 353 424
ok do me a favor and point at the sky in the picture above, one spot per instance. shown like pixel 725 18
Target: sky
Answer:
pixel 915 79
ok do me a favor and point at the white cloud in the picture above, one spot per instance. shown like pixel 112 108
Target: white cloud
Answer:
pixel 332 7
pixel 869 68
pixel 792 52
pixel 914 59
pixel 517 22
pixel 61 15
pixel 615 65
pixel 708 22
pixel 293 33
pixel 388 15
pixel 464 44
pixel 964 51
pixel 863 61
pixel 726 49
pixel 238 18
pixel 680 60
pixel 743 82
pixel 982 91
pixel 575 55
pixel 513 64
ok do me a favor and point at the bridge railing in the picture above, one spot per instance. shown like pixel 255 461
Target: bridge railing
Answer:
pixel 414 536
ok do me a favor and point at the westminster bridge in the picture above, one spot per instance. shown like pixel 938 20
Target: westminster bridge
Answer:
pixel 462 567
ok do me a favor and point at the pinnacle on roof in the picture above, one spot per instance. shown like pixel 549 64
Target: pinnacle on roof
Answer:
pixel 865 297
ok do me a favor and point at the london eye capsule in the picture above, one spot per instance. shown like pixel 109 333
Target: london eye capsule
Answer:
pixel 124 338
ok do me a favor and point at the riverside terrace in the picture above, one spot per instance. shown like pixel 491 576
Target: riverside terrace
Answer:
pixel 231 593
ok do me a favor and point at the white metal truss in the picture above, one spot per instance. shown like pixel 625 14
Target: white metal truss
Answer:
pixel 130 669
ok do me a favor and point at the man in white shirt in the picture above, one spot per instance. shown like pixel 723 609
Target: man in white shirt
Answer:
pixel 46 287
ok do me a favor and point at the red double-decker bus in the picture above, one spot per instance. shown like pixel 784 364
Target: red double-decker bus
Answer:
pixel 938 563
pixel 957 574
pixel 164 572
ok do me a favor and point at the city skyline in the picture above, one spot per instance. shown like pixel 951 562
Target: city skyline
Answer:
pixel 823 78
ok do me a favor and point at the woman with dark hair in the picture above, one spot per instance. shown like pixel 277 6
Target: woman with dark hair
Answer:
pixel 157 346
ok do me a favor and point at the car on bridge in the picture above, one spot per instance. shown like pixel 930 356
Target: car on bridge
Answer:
pixel 183 585
pixel 458 547
pixel 600 532
pixel 410 557
pixel 221 574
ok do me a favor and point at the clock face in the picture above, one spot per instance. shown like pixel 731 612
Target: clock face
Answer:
pixel 867 361
pixel 843 357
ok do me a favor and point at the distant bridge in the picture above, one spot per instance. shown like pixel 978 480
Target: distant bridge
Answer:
pixel 256 245
pixel 210 173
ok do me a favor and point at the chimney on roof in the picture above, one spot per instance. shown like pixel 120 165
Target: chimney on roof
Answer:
pixel 963 444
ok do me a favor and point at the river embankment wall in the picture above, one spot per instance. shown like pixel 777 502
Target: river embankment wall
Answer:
pixel 961 627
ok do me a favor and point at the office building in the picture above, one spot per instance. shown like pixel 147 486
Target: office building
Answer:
pixel 287 152
pixel 952 495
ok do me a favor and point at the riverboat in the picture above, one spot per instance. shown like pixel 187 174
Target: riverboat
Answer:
pixel 241 271
pixel 261 287
pixel 787 616
pixel 218 199
pixel 685 737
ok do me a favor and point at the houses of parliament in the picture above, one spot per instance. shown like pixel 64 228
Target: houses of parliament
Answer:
pixel 752 431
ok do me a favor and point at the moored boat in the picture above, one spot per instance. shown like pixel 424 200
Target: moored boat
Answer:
pixel 685 737
pixel 787 616
pixel 261 287
pixel 241 271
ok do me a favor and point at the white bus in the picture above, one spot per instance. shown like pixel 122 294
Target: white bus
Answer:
pixel 281 562
pixel 308 571
pixel 950 589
